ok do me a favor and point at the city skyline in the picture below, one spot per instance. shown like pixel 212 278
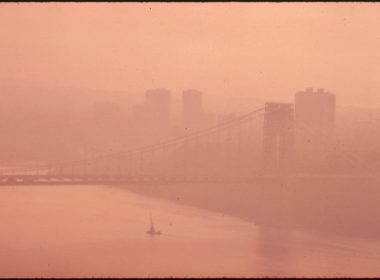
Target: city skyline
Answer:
pixel 197 140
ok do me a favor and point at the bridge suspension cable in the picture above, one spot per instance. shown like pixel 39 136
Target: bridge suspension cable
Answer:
pixel 149 148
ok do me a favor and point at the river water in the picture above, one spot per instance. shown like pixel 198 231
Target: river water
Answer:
pixel 99 231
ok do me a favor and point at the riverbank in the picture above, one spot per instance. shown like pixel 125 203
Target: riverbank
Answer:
pixel 344 206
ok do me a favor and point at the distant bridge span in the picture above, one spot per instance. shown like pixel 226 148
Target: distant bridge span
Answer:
pixel 222 153
pixel 33 180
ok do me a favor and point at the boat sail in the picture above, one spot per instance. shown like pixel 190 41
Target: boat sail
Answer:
pixel 152 230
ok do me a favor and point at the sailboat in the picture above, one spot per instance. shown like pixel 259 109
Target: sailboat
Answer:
pixel 152 230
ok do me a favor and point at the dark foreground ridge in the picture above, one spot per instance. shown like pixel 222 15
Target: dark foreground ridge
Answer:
pixel 339 205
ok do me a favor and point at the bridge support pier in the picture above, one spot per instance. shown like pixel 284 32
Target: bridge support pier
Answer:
pixel 278 139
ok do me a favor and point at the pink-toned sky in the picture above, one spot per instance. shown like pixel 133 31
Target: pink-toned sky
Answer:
pixel 264 50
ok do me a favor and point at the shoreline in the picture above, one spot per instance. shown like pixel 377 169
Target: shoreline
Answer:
pixel 295 204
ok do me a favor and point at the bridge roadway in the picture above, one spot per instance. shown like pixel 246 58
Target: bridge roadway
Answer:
pixel 13 180
pixel 22 179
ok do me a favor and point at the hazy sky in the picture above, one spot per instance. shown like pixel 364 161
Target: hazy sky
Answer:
pixel 264 50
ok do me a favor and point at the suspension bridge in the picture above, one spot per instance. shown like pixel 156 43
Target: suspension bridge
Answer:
pixel 246 148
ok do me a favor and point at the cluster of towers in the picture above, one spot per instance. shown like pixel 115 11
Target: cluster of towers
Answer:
pixel 301 128
pixel 157 108
pixel 290 129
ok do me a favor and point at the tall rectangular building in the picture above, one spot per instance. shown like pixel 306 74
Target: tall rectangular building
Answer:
pixel 315 110
pixel 314 119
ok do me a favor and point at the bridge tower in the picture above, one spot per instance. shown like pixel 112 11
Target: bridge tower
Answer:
pixel 278 139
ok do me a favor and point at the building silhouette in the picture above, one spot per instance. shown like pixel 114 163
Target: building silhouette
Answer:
pixel 315 109
pixel 314 120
